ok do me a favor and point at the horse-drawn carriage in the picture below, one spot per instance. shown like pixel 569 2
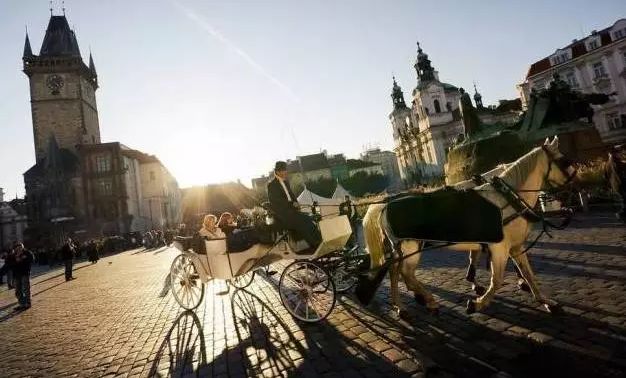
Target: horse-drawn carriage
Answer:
pixel 307 286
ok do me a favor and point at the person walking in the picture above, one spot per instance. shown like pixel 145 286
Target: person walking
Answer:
pixel 67 253
pixel 7 268
pixel 21 264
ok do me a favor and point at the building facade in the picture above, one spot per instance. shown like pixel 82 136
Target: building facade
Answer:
pixel 388 162
pixel 13 222
pixel 424 132
pixel 595 64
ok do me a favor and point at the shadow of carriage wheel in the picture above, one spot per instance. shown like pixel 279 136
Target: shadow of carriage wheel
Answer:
pixel 260 327
pixel 183 351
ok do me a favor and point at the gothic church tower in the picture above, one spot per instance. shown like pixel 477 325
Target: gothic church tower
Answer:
pixel 62 90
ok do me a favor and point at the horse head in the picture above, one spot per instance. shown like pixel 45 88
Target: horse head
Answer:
pixel 560 169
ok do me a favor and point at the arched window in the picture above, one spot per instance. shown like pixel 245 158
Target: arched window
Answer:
pixel 437 106
pixel 426 110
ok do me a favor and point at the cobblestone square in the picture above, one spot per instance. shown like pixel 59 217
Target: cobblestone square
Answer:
pixel 119 319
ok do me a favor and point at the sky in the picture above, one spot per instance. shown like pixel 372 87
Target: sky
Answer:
pixel 219 90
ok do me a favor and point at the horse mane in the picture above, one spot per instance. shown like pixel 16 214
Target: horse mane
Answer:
pixel 518 171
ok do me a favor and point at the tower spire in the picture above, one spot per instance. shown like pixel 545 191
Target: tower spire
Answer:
pixel 397 96
pixel 28 52
pixel 478 99
pixel 425 71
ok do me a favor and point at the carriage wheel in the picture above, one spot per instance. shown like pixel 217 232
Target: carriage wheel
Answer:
pixel 242 281
pixel 307 291
pixel 186 285
pixel 345 274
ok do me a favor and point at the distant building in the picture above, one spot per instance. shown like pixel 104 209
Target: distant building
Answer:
pixel 594 64
pixel 424 133
pixel 388 161
pixel 78 184
pixel 360 166
pixel 13 221
pixel 215 199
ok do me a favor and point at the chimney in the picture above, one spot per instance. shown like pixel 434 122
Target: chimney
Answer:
pixel 574 40
pixel 594 32
pixel 1 195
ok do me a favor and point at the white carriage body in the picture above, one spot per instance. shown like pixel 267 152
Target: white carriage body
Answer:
pixel 220 264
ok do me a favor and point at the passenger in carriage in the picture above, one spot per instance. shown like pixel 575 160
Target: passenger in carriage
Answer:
pixel 209 228
pixel 287 209
pixel 227 223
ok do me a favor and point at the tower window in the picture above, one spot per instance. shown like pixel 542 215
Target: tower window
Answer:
pixel 426 110
pixel 437 106
pixel 103 163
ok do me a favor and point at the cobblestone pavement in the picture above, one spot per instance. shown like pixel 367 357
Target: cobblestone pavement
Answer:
pixel 119 319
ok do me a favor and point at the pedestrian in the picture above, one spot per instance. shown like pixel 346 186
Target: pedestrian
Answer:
pixel 22 261
pixel 7 268
pixel 67 254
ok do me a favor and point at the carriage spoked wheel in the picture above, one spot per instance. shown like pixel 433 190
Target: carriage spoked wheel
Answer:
pixel 185 283
pixel 345 272
pixel 242 281
pixel 307 291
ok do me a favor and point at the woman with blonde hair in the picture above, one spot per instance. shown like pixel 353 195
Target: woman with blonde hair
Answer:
pixel 210 229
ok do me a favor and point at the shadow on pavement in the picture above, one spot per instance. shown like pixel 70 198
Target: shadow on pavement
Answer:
pixel 183 351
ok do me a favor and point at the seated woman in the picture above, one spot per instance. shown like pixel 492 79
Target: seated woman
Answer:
pixel 227 223
pixel 209 228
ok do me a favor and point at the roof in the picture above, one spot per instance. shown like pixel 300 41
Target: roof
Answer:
pixel 313 162
pixel 59 39
pixel 69 163
pixel 338 159
pixel 579 48
pixel 357 163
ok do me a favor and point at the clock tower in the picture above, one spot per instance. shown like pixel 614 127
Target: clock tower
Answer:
pixel 62 91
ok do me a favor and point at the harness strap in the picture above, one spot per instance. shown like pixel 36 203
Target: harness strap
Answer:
pixel 521 207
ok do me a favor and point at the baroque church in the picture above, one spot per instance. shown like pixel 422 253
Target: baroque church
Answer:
pixel 78 184
pixel 425 131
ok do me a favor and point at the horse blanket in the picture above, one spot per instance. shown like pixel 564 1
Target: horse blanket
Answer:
pixel 445 215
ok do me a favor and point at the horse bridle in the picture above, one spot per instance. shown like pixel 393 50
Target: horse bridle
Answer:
pixel 563 164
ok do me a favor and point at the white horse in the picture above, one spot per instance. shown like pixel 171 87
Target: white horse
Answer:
pixel 542 165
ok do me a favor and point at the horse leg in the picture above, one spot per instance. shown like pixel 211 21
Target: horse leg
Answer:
pixel 499 256
pixel 522 263
pixel 470 276
pixel 394 278
pixel 422 296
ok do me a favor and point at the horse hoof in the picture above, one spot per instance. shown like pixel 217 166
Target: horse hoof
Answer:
pixel 554 309
pixel 523 286
pixel 470 308
pixel 419 299
pixel 471 274
pixel 479 290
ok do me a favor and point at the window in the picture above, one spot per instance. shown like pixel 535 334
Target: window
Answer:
pixel 619 34
pixel 103 164
pixel 539 85
pixel 152 178
pixel 570 77
pixel 426 110
pixel 593 44
pixel 105 187
pixel 560 58
pixel 598 70
pixel 437 106
pixel 613 121
pixel 449 106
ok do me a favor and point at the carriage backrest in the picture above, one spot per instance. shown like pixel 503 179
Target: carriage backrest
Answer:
pixel 215 246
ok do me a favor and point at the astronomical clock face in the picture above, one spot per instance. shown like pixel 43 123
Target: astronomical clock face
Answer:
pixel 55 83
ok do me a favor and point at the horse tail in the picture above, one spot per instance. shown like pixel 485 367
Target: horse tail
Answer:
pixel 374 234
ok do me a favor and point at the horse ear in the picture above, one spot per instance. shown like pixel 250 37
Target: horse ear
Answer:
pixel 547 142
pixel 555 141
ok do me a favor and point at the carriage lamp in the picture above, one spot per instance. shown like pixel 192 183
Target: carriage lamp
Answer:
pixel 269 220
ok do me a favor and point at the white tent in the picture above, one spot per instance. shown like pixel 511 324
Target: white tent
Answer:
pixel 340 193
pixel 328 206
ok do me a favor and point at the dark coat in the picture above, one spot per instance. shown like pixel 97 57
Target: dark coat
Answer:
pixel 279 202
pixel 67 251
pixel 22 266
